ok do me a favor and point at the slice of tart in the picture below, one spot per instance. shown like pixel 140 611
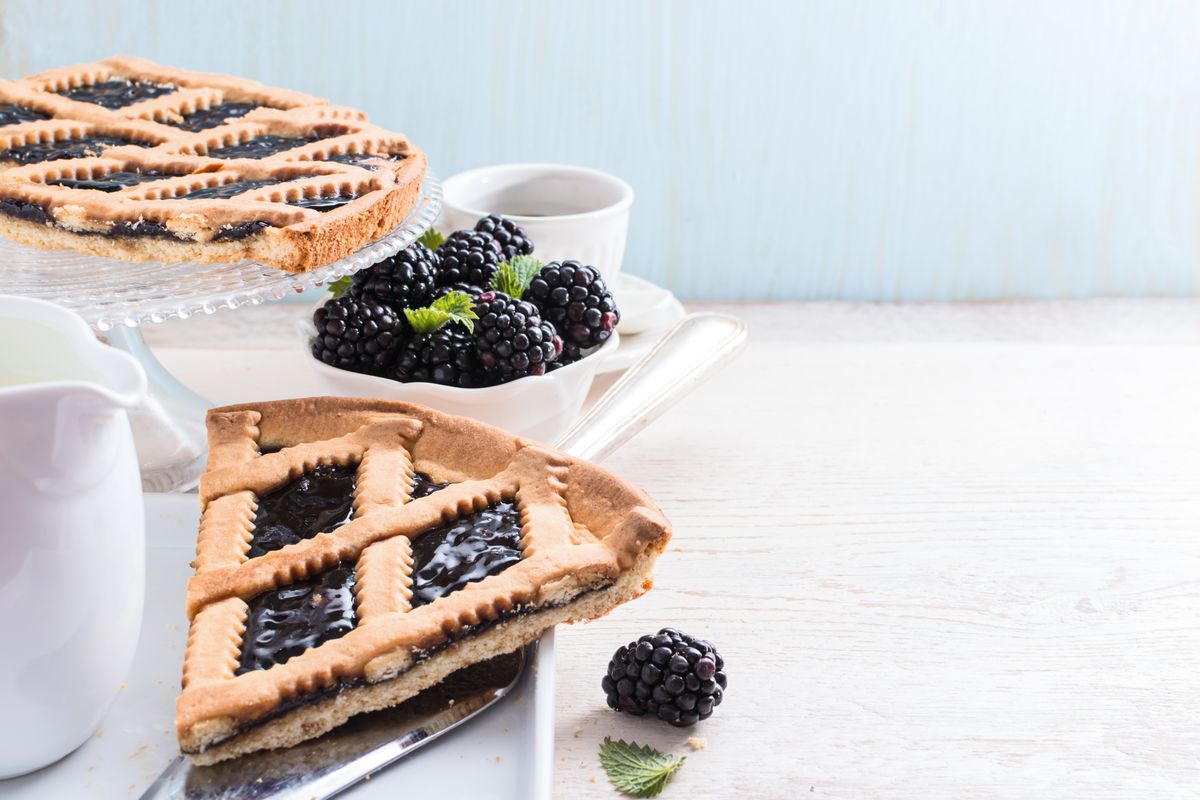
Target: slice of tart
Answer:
pixel 129 159
pixel 352 553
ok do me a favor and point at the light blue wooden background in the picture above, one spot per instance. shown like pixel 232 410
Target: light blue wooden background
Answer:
pixel 867 150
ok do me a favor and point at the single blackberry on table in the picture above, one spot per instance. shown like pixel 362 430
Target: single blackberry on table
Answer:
pixel 511 237
pixel 469 257
pixel 406 280
pixel 676 677
pixel 575 299
pixel 448 356
pixel 513 339
pixel 357 334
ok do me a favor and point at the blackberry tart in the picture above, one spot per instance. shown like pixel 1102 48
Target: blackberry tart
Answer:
pixel 132 160
pixel 353 553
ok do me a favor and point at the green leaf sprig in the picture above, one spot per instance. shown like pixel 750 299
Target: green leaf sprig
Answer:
pixel 341 286
pixel 637 770
pixel 514 276
pixel 432 238
pixel 450 307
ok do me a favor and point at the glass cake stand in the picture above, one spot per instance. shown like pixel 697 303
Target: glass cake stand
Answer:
pixel 117 297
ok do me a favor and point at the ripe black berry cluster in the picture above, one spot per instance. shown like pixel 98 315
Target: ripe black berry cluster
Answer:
pixel 472 309
pixel 678 678
pixel 356 334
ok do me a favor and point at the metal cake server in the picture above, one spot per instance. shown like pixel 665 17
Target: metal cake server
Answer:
pixel 690 352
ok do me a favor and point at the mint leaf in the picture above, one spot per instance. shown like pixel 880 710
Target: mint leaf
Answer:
pixel 450 307
pixel 426 320
pixel 432 238
pixel 637 770
pixel 457 303
pixel 341 286
pixel 513 277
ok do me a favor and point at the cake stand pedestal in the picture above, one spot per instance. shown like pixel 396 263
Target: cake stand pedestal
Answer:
pixel 117 297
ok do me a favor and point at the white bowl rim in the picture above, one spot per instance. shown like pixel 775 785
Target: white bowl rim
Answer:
pixel 601 353
pixel 621 205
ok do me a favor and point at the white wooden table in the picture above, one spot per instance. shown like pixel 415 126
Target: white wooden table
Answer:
pixel 946 550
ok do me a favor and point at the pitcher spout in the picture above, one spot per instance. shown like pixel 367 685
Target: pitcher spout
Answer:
pixel 63 395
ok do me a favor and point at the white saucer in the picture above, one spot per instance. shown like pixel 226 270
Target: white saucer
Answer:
pixel 647 311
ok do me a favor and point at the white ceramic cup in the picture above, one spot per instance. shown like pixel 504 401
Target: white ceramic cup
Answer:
pixel 569 212
pixel 72 569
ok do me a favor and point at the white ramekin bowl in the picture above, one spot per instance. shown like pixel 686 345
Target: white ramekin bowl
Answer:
pixel 569 212
pixel 540 407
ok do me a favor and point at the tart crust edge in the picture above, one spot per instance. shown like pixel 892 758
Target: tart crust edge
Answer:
pixel 293 249
pixel 322 716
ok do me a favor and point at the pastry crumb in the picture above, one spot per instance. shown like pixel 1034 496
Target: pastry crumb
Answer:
pixel 697 742
pixel 578 732
pixel 592 779
pixel 497 759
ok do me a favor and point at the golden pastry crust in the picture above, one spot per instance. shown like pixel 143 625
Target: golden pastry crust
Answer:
pixel 384 182
pixel 588 542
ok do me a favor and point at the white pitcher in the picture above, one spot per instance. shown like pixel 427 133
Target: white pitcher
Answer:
pixel 72 541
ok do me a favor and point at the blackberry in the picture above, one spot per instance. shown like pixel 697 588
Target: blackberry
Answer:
pixel 575 299
pixel 676 677
pixel 513 339
pixel 513 240
pixel 471 290
pixel 406 280
pixel 448 356
pixel 469 257
pixel 357 334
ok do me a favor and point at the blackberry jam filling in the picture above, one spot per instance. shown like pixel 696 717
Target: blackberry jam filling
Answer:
pixel 423 485
pixel 448 557
pixel 11 114
pixel 118 92
pixel 23 209
pixel 362 159
pixel 212 117
pixel 322 203
pixel 142 227
pixel 65 148
pixel 227 190
pixel 317 502
pixel 240 231
pixel 283 623
pixel 111 182
pixel 261 147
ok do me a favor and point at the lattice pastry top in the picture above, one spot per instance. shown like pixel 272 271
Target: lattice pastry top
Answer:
pixel 383 547
pixel 130 159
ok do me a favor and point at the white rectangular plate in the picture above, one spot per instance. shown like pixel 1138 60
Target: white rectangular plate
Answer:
pixel 506 752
